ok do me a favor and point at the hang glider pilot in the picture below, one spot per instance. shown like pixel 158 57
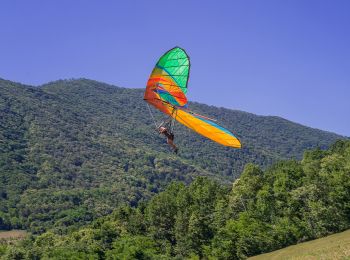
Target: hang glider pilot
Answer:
pixel 169 137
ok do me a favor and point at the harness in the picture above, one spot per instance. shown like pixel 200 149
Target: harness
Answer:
pixel 169 135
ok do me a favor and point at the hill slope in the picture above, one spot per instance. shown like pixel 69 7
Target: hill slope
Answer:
pixel 72 150
pixel 335 246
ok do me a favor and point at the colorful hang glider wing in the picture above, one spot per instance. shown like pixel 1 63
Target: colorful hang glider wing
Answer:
pixel 206 128
pixel 168 81
pixel 166 89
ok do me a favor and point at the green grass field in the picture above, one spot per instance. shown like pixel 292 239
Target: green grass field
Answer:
pixel 12 235
pixel 335 246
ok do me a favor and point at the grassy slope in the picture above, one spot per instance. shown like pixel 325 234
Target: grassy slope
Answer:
pixel 12 235
pixel 335 246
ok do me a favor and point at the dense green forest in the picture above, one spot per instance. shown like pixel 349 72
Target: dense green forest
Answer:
pixel 291 201
pixel 71 151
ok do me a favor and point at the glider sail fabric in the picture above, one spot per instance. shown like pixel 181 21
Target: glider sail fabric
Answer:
pixel 168 81
pixel 207 128
pixel 166 89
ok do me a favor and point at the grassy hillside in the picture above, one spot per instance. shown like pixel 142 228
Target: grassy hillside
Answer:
pixel 73 150
pixel 12 235
pixel 335 246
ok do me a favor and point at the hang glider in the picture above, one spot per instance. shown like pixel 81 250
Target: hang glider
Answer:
pixel 166 90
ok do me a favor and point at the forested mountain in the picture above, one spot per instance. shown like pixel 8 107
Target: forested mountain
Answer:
pixel 290 202
pixel 73 150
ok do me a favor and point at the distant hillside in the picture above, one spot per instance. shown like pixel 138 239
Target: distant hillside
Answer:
pixel 72 150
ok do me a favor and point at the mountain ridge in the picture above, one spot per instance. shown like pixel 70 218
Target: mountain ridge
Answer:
pixel 191 102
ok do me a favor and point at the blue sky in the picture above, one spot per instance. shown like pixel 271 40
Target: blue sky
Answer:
pixel 284 58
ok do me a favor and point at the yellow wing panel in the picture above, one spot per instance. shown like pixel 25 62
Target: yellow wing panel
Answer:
pixel 207 128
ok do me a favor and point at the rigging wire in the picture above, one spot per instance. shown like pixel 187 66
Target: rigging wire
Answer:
pixel 154 120
pixel 168 123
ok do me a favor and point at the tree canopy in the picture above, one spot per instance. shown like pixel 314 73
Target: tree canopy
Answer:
pixel 289 202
